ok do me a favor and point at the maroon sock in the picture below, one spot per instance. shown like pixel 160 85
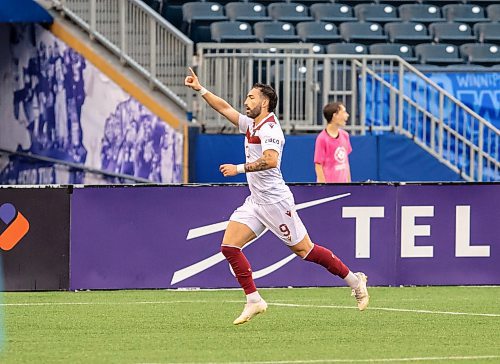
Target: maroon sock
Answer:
pixel 327 259
pixel 241 267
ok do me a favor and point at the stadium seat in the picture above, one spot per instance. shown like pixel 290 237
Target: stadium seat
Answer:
pixel 172 11
pixel 319 49
pixel 482 3
pixel 317 32
pixel 441 2
pixel 275 31
pixel 454 33
pixel 463 13
pixel 407 33
pixel 365 33
pixel 289 12
pixel 312 1
pixel 154 4
pixel 403 50
pixel 354 2
pixel 482 54
pixel 197 17
pixel 231 31
pixel 438 54
pixel 376 13
pixel 398 2
pixel 334 13
pixel 493 12
pixel 420 13
pixel 346 48
pixel 267 2
pixel 246 12
pixel 487 32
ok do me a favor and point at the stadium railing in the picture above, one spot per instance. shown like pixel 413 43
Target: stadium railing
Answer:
pixel 75 172
pixel 382 94
pixel 141 38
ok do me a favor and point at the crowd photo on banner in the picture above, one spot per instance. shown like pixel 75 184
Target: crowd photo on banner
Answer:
pixel 50 108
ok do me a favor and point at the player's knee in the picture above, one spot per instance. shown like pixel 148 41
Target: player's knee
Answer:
pixel 303 247
pixel 229 251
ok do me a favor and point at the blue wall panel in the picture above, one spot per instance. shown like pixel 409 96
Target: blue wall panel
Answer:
pixel 385 157
pixel 402 160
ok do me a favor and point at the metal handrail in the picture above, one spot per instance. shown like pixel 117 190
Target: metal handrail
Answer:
pixel 141 38
pixel 355 58
pixel 474 155
pixel 72 165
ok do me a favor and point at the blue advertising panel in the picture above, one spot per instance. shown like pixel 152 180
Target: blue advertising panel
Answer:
pixel 169 237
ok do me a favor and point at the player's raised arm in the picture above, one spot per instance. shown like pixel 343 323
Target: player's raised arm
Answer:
pixel 218 104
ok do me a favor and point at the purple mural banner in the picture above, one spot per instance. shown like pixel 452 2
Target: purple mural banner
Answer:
pixel 169 236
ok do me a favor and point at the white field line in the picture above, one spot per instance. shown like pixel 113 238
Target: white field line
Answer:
pixel 387 309
pixel 240 302
pixel 382 360
pixel 105 303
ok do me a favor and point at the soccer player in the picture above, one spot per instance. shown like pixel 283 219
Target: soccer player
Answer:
pixel 332 148
pixel 270 204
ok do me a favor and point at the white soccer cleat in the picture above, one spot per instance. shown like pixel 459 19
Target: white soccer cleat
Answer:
pixel 361 293
pixel 251 310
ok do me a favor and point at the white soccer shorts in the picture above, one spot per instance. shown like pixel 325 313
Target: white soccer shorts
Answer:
pixel 281 218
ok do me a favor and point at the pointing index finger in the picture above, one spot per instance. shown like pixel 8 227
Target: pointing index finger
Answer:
pixel 192 72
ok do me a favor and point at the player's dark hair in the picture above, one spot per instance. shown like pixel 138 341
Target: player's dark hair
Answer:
pixel 330 109
pixel 268 91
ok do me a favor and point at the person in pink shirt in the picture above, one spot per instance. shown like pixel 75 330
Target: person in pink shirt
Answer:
pixel 332 149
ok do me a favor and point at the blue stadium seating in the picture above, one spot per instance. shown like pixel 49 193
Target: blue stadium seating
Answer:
pixel 407 32
pixel 317 32
pixel 421 13
pixel 482 54
pixel 289 12
pixel 454 33
pixel 405 51
pixel 377 13
pixel 197 17
pixel 335 13
pixel 362 32
pixel 231 31
pixel 464 13
pixel 493 12
pixel 275 31
pixel 248 12
pixel 438 54
pixel 350 26
pixel 487 32
pixel 346 48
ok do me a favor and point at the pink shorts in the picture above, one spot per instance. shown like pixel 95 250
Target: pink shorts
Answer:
pixel 281 218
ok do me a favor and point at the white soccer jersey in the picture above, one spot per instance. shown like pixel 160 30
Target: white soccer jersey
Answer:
pixel 266 187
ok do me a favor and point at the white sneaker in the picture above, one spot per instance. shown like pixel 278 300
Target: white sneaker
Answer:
pixel 361 293
pixel 251 310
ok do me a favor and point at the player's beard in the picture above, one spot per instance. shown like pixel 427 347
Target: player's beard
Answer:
pixel 253 113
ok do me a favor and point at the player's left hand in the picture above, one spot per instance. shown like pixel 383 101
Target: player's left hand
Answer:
pixel 228 170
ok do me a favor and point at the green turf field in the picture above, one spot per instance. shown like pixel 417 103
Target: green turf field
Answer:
pixel 311 325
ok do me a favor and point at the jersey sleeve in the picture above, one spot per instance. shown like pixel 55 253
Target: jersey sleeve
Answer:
pixel 319 150
pixel 271 137
pixel 243 123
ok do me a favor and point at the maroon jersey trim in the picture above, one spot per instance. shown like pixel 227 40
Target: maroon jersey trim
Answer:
pixel 252 139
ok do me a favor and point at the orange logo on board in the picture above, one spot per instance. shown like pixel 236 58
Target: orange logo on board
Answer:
pixel 17 226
